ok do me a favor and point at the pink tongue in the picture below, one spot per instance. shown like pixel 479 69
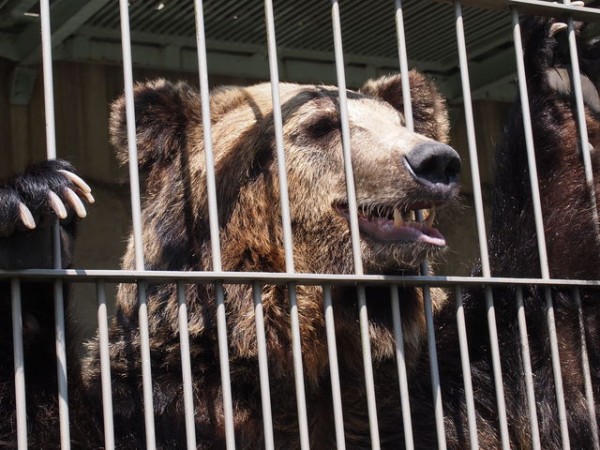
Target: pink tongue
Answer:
pixel 384 230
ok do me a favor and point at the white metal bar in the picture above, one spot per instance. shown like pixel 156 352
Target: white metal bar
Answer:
pixel 403 58
pixel 61 353
pixel 409 121
pixel 539 225
pixel 281 278
pixel 136 215
pixel 19 364
pixel 481 229
pixel 556 369
pixel 343 100
pixel 61 364
pixel 527 371
pixel 433 366
pixel 298 371
pixel 589 178
pixel 107 405
pixel 353 209
pixel 585 367
pixel 466 368
pixel 287 224
pixel 186 368
pixel 368 366
pixel 48 79
pixel 401 363
pixel 581 123
pixel 334 369
pixel 263 366
pixel 215 243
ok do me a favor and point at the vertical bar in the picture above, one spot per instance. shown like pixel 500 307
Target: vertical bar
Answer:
pixel 261 343
pixel 107 406
pixel 581 123
pixel 354 232
pixel 186 368
pixel 433 361
pixel 585 367
pixel 481 229
pixel 215 243
pixel 334 369
pixel 466 368
pixel 539 227
pixel 403 58
pixel 287 225
pixel 527 371
pixel 136 215
pixel 433 365
pixel 61 353
pixel 19 363
pixel 402 375
pixel 589 178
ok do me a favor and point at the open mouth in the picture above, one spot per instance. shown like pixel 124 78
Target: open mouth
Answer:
pixel 412 223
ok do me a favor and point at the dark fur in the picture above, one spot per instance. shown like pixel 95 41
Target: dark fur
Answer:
pixel 176 237
pixel 34 249
pixel 573 252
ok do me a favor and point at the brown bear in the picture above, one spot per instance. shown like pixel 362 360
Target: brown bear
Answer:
pixel 396 171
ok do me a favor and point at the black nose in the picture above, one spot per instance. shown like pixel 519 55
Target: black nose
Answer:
pixel 432 162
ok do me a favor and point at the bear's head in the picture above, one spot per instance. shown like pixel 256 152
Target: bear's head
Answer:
pixel 396 173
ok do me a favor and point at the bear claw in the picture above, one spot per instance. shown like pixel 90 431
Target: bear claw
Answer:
pixel 57 205
pixel 75 203
pixel 26 216
pixel 77 181
pixel 557 27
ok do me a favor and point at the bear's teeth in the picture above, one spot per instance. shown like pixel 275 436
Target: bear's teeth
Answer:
pixel 398 220
pixel 430 218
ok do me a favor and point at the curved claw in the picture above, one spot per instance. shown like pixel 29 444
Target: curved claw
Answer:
pixel 557 27
pixel 26 216
pixel 75 203
pixel 88 197
pixel 77 181
pixel 57 205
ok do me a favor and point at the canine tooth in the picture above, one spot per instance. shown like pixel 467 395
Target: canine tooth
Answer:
pixel 77 181
pixel 557 27
pixel 398 220
pixel 26 216
pixel 430 218
pixel 57 205
pixel 76 203
pixel 412 216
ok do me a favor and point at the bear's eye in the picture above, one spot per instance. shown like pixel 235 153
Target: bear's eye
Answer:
pixel 323 126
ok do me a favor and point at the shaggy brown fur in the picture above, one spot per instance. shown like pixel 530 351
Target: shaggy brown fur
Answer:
pixel 176 237
pixel 170 145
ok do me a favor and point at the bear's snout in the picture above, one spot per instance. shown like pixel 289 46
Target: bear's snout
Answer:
pixel 435 165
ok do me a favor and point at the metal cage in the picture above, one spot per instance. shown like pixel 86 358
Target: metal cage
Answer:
pixel 290 278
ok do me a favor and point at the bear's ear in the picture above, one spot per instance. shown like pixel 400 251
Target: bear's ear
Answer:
pixel 429 107
pixel 162 113
pixel 226 98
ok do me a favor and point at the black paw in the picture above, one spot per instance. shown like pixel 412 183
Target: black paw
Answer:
pixel 548 58
pixel 45 191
